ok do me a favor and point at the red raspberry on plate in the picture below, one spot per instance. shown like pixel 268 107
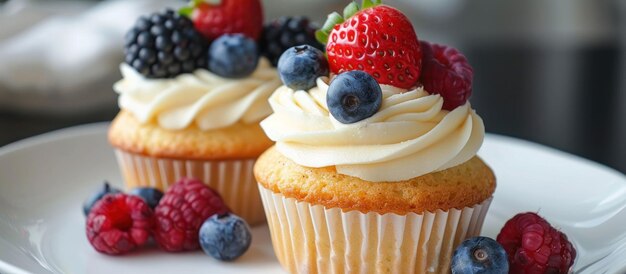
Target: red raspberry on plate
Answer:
pixel 181 212
pixel 119 223
pixel 535 247
pixel 445 71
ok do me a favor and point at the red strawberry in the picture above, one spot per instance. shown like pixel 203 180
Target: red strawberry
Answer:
pixel 445 71
pixel 380 41
pixel 214 18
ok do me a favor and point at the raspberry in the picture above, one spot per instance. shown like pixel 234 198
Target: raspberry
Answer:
pixel 181 212
pixel 119 223
pixel 533 246
pixel 445 71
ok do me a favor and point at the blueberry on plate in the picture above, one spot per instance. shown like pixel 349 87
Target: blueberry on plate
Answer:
pixel 233 56
pixel 103 190
pixel 150 195
pixel 479 255
pixel 300 66
pixel 225 236
pixel 353 96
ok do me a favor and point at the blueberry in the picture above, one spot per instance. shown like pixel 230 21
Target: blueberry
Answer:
pixel 225 236
pixel 479 255
pixel 233 56
pixel 152 196
pixel 300 66
pixel 104 190
pixel 353 96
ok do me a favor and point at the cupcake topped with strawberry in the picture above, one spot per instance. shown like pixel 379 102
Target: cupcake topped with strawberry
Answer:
pixel 208 65
pixel 380 105
pixel 374 167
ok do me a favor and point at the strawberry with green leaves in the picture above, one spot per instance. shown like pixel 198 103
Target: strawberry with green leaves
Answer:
pixel 213 18
pixel 374 38
pixel 381 41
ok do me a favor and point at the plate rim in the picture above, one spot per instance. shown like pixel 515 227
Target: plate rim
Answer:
pixel 10 268
pixel 54 135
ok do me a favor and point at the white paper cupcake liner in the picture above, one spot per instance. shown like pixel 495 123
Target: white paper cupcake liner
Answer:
pixel 310 238
pixel 232 179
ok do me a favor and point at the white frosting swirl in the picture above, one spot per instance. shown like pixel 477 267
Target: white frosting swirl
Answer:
pixel 206 99
pixel 411 135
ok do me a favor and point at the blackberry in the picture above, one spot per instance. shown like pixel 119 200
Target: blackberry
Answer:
pixel 164 45
pixel 286 32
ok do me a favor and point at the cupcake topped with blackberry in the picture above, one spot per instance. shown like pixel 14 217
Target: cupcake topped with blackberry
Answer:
pixel 374 167
pixel 190 67
pixel 195 86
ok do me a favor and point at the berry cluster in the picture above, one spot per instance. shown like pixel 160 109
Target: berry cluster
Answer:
pixel 219 36
pixel 188 216
pixel 369 45
pixel 352 96
pixel 526 244
pixel 381 41
pixel 165 45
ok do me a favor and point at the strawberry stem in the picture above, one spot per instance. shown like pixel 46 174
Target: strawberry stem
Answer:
pixel 193 4
pixel 321 37
pixel 186 11
pixel 335 18
pixel 350 10
pixel 370 3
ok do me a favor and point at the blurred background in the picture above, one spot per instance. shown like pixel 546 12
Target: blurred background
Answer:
pixel 552 72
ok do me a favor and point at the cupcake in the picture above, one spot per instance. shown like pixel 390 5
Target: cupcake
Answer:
pixel 374 168
pixel 192 94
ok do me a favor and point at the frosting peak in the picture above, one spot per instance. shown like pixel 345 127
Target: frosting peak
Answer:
pixel 411 135
pixel 202 98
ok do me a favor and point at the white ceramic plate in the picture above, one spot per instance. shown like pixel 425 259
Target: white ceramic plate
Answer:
pixel 43 181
